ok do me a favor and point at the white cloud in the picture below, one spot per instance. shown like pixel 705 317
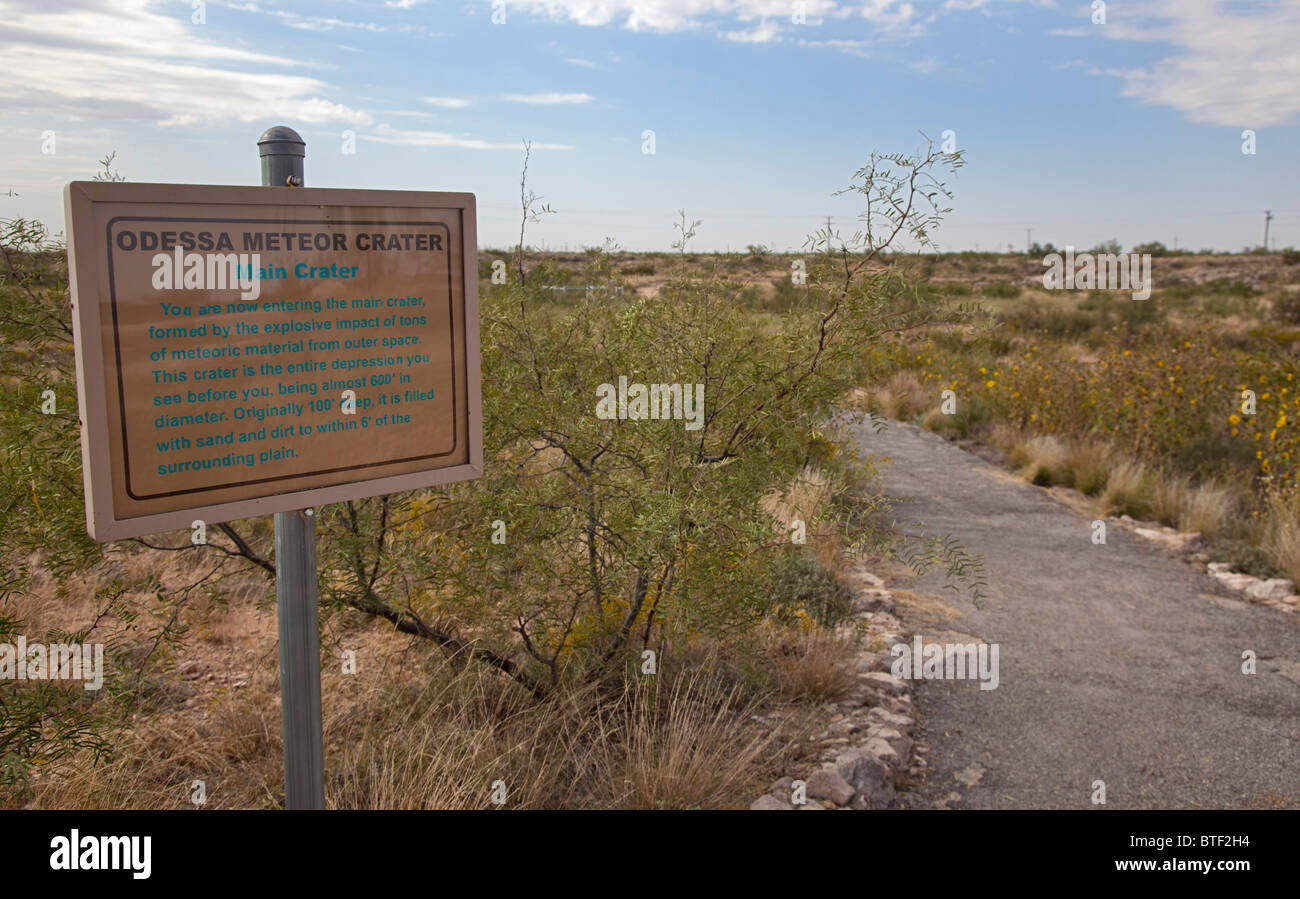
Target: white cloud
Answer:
pixel 308 23
pixel 119 59
pixel 682 15
pixel 837 43
pixel 447 102
pixel 585 63
pixel 550 99
pixel 1232 66
pixel 386 134
pixel 856 48
pixel 888 13
pixel 762 33
pixel 320 23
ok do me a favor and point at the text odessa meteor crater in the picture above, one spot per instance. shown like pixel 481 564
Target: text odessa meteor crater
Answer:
pixel 275 241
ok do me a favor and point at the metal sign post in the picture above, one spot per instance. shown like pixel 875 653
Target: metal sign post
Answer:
pixel 282 152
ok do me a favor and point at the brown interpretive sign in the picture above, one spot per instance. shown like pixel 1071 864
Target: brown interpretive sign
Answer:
pixel 249 350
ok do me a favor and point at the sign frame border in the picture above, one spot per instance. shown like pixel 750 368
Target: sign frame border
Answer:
pixel 83 280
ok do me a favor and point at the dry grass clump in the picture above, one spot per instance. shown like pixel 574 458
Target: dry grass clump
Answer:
pixel 1124 486
pixel 1047 461
pixel 902 397
pixel 800 500
pixel 687 744
pixel 233 747
pixel 1211 509
pixel 1090 464
pixel 663 741
pixel 1003 436
pixel 1121 485
pixel 1044 460
pixel 1280 537
pixel 450 735
pixel 444 742
pixel 1130 486
pixel 936 420
pixel 811 665
pixel 1128 490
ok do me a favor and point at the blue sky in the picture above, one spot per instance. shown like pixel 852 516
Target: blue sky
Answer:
pixel 1128 129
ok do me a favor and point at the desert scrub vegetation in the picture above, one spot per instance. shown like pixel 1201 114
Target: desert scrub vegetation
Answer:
pixel 1001 290
pixel 609 602
pixel 1154 408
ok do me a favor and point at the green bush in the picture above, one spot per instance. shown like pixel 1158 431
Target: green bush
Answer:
pixel 970 415
pixel 786 295
pixel 1001 290
pixel 1286 309
pixel 1102 301
pixel 1054 321
pixel 1138 313
pixel 1154 248
pixel 799 580
pixel 1244 556
pixel 1213 451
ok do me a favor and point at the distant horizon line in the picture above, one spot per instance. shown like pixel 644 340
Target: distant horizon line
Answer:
pixel 769 251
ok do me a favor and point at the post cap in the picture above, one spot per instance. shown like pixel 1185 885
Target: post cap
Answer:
pixel 281 140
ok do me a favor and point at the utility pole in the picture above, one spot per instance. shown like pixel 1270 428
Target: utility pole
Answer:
pixel 1028 232
pixel 282 152
pixel 1268 217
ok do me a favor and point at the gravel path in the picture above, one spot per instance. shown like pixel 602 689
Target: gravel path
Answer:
pixel 1118 662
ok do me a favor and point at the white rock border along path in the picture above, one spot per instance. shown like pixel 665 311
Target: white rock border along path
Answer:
pixel 868 748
